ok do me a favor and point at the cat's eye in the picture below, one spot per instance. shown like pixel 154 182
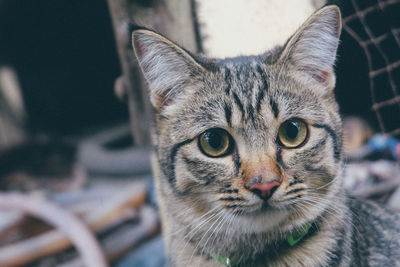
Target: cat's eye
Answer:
pixel 292 133
pixel 215 142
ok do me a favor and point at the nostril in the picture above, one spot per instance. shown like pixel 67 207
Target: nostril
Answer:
pixel 265 190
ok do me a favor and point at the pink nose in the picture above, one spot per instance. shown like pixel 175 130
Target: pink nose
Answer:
pixel 264 190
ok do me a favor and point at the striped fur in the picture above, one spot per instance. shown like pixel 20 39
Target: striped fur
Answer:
pixel 204 202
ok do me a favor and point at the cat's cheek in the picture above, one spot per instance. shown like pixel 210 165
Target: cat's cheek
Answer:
pixel 186 182
pixel 202 176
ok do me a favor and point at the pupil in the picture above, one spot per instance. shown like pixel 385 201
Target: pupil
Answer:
pixel 214 139
pixel 292 130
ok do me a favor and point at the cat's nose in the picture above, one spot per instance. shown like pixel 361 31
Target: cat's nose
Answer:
pixel 265 190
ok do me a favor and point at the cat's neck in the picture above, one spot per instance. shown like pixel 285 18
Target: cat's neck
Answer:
pixel 273 246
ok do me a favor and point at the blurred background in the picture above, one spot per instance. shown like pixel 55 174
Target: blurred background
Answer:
pixel 75 180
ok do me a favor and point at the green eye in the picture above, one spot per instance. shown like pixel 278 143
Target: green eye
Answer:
pixel 293 133
pixel 215 142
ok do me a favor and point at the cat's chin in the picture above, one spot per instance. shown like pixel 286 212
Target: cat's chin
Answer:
pixel 262 220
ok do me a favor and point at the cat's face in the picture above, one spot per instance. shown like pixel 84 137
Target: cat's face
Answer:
pixel 259 137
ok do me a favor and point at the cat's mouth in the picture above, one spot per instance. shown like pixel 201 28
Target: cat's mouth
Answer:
pixel 258 218
pixel 260 207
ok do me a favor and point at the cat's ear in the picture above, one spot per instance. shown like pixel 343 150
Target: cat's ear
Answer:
pixel 312 49
pixel 166 67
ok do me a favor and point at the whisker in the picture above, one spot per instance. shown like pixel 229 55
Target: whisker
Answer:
pixel 196 220
pixel 327 210
pixel 216 229
pixel 196 229
pixel 331 207
pixel 204 235
pixel 333 180
pixel 231 220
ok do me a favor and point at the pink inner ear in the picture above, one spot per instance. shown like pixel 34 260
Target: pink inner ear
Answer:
pixel 140 49
pixel 162 98
pixel 323 77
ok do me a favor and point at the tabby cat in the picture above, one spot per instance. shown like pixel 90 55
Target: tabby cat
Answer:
pixel 247 157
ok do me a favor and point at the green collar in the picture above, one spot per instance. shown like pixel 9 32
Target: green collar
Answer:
pixel 226 261
pixel 295 238
pixel 292 240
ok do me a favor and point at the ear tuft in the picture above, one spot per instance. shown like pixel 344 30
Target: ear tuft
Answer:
pixel 166 67
pixel 312 49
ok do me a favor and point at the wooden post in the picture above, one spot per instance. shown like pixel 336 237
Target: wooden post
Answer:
pixel 131 81
pixel 172 18
pixel 12 110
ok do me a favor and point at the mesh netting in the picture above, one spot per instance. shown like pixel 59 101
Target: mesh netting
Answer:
pixel 375 25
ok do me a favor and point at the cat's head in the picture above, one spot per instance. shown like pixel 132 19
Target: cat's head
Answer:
pixel 255 136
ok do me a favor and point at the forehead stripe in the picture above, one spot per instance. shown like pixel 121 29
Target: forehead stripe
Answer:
pixel 228 114
pixel 238 102
pixel 274 107
pixel 227 78
pixel 263 89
